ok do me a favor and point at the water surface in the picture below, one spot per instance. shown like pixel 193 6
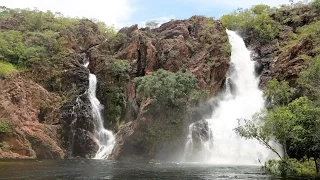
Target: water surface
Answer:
pixel 83 169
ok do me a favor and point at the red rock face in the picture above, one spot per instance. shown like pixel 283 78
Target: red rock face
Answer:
pixel 32 113
pixel 41 120
pixel 198 45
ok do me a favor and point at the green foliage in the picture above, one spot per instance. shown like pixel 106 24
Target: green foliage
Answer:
pixel 19 49
pixel 316 5
pixel 260 9
pixel 116 98
pixel 294 126
pixel 117 40
pixel 312 30
pixel 166 129
pixel 109 30
pixel 152 24
pixel 5 127
pixel 4 146
pixel 167 88
pixel 6 69
pixel 119 69
pixel 292 167
pixel 33 35
pixel 309 80
pixel 256 19
pixel 278 93
pixel 12 48
pixel 113 92
pixel 255 129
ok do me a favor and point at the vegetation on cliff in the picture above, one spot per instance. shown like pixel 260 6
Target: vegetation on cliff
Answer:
pixel 50 49
pixel 6 69
pixel 170 90
pixel 290 37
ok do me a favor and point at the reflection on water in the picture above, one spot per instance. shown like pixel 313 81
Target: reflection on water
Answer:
pixel 83 169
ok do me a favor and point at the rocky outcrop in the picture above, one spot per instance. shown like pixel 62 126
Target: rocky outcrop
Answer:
pixel 276 59
pixel 198 45
pixel 199 133
pixel 31 117
pixel 76 116
pixel 59 124
pixel 289 64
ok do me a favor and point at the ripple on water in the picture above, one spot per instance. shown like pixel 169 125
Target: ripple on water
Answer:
pixel 82 169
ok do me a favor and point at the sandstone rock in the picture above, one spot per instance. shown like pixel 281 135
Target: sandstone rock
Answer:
pixel 21 101
pixel 198 45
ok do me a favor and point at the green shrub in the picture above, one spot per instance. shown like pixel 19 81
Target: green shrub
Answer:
pixel 254 20
pixel 292 167
pixel 167 88
pixel 119 69
pixel 309 80
pixel 278 93
pixel 316 4
pixel 4 146
pixel 5 127
pixel 6 69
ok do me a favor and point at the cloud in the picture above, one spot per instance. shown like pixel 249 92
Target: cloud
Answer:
pixel 116 12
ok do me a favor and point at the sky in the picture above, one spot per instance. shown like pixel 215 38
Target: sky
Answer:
pixel 128 12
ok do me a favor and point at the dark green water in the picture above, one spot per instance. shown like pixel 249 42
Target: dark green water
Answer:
pixel 101 169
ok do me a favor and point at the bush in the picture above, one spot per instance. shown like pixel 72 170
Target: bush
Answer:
pixel 278 93
pixel 292 167
pixel 316 4
pixel 119 69
pixel 254 20
pixel 5 126
pixel 4 146
pixel 309 80
pixel 167 88
pixel 6 69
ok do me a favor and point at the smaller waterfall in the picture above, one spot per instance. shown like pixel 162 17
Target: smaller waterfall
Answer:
pixel 104 137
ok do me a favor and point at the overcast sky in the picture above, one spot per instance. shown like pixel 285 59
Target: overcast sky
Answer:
pixel 128 12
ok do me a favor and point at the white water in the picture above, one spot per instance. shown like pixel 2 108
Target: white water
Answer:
pixel 104 137
pixel 224 145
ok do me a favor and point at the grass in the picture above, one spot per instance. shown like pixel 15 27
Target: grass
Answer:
pixel 7 69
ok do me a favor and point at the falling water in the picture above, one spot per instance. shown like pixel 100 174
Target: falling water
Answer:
pixel 104 137
pixel 224 146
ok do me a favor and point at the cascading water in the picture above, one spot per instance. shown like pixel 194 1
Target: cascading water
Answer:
pixel 104 137
pixel 223 145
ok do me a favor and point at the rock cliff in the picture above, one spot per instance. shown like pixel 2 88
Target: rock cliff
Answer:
pixel 29 115
pixel 198 45
pixel 45 111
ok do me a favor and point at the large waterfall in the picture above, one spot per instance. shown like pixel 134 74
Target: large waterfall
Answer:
pixel 219 142
pixel 104 137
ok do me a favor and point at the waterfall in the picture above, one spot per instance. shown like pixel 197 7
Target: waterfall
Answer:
pixel 242 100
pixel 104 137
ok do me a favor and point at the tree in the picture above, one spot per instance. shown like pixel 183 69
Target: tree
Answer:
pixel 168 89
pixel 316 5
pixel 309 80
pixel 255 21
pixel 278 93
pixel 152 24
pixel 254 129
pixel 294 126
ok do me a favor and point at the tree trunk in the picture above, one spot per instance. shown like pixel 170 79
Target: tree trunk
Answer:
pixel 285 153
pixel 315 162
